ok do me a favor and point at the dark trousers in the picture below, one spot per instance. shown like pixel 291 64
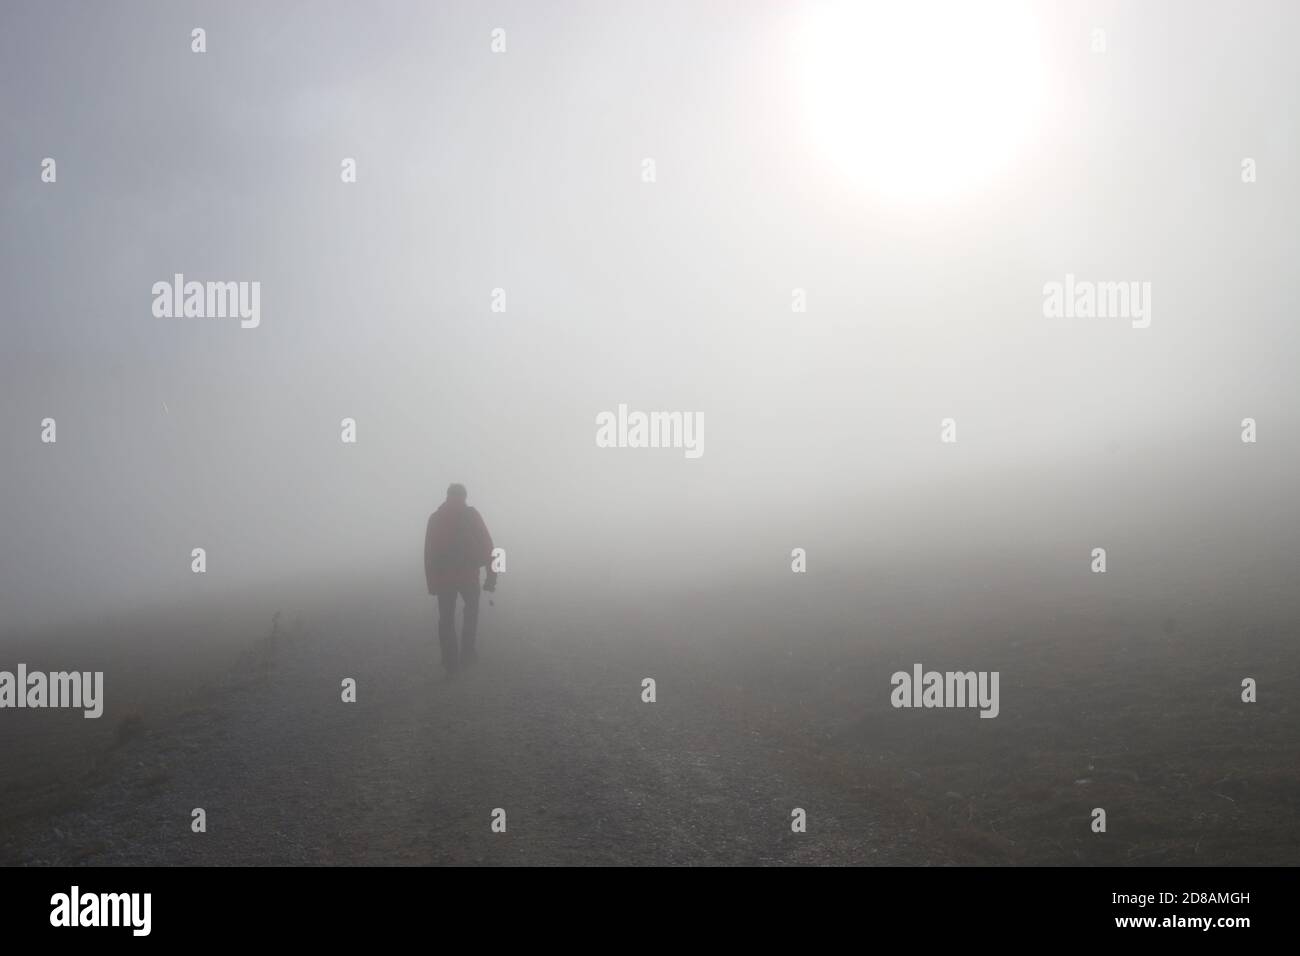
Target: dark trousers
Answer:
pixel 452 652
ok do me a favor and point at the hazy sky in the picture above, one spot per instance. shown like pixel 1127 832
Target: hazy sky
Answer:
pixel 524 170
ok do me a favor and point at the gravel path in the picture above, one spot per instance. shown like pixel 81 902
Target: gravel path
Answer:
pixel 550 729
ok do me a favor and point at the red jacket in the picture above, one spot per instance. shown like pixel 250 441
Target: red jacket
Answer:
pixel 456 545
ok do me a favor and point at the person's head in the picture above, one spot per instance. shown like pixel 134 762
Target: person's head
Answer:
pixel 456 493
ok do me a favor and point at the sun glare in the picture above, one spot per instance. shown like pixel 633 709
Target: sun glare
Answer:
pixel 919 101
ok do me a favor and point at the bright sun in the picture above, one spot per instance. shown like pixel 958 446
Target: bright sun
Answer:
pixel 920 101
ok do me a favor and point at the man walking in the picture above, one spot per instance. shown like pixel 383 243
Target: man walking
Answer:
pixel 456 545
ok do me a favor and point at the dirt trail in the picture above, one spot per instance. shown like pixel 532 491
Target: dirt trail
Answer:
pixel 551 730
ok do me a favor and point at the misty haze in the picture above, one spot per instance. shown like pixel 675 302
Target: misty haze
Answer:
pixel 829 433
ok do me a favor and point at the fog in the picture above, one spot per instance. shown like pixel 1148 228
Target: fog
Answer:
pixel 524 171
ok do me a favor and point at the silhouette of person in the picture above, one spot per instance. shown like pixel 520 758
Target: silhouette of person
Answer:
pixel 456 545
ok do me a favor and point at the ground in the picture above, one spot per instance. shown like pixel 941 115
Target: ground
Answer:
pixel 1141 716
